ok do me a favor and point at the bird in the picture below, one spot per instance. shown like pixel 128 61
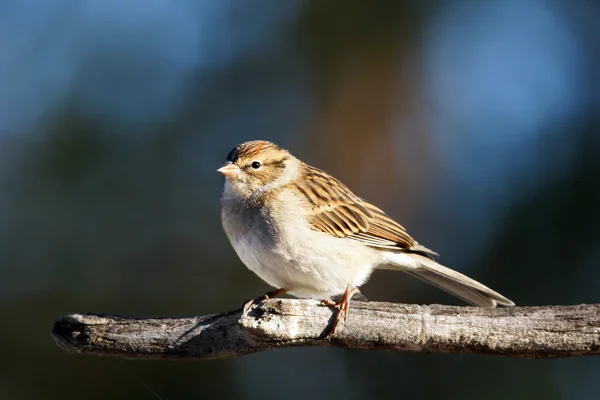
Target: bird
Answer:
pixel 305 233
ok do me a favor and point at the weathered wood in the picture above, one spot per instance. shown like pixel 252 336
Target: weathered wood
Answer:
pixel 530 332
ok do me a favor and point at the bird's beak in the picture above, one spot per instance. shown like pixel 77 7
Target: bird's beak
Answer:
pixel 229 170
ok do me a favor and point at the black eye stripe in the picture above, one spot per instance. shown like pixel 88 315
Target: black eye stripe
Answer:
pixel 277 163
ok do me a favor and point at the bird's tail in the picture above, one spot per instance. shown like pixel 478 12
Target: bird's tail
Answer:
pixel 456 283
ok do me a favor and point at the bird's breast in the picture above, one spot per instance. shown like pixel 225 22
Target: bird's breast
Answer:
pixel 278 244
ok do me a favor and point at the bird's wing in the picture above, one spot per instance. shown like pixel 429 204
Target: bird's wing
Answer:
pixel 339 212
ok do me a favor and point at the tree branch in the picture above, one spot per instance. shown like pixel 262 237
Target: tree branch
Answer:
pixel 530 332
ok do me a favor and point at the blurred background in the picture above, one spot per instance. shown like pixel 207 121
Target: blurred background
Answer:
pixel 472 122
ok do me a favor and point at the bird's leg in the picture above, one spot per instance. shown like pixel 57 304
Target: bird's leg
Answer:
pixel 266 296
pixel 343 306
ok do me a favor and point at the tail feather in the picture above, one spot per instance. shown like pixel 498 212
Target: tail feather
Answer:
pixel 456 283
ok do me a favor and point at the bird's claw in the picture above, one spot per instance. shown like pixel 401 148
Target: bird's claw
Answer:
pixel 247 305
pixel 343 307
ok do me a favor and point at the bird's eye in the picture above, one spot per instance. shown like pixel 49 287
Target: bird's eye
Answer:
pixel 256 165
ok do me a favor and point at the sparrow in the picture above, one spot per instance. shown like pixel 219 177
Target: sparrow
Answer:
pixel 305 233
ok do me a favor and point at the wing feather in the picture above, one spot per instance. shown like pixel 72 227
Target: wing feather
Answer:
pixel 339 212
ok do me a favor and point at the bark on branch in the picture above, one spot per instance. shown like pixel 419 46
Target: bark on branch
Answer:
pixel 530 332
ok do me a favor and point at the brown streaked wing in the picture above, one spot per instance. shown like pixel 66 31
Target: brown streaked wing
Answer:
pixel 383 227
pixel 339 212
pixel 335 209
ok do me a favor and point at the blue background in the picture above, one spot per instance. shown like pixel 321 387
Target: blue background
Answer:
pixel 473 123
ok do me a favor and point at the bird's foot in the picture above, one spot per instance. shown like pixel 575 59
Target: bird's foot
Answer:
pixel 266 296
pixel 343 305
